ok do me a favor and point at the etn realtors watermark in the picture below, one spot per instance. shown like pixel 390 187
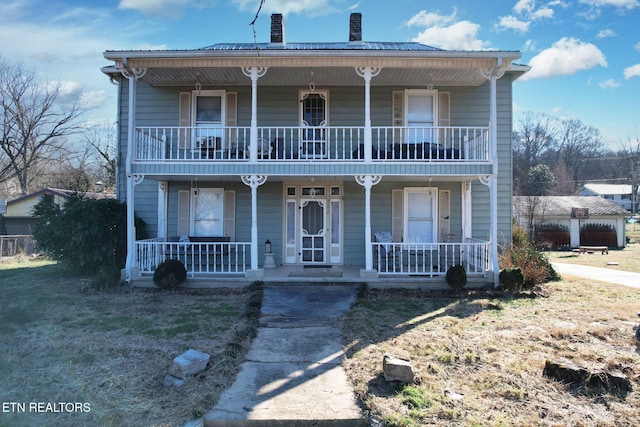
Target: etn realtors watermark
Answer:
pixel 45 407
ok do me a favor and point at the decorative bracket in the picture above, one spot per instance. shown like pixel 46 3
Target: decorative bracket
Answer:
pixel 368 181
pixel 368 72
pixel 137 179
pixel 254 72
pixel 485 180
pixel 254 181
pixel 131 73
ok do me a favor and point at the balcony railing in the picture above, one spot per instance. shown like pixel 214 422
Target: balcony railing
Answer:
pixel 200 258
pixel 431 259
pixel 300 144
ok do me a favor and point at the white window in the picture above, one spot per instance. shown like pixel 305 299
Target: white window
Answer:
pixel 207 217
pixel 420 210
pixel 209 118
pixel 421 108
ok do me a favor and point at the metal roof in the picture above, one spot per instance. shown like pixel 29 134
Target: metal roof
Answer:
pixel 562 205
pixel 359 45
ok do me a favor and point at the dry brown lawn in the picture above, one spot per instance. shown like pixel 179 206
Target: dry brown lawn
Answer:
pixel 110 351
pixel 492 349
pixel 627 259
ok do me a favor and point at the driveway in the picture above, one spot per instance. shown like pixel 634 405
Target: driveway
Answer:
pixel 624 278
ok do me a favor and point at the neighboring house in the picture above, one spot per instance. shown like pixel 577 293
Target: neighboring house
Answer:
pixel 620 194
pixel 19 219
pixel 573 214
pixel 317 148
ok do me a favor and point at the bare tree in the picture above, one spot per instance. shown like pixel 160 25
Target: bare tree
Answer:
pixel 578 142
pixel 102 139
pixel 533 137
pixel 34 128
pixel 630 153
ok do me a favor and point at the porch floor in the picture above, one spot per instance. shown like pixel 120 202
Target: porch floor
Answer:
pixel 297 274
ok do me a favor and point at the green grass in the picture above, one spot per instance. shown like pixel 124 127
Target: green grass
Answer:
pixel 62 341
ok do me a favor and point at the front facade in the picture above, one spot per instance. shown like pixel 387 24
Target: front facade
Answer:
pixel 394 158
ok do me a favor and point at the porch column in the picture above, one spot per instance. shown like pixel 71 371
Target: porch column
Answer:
pixel 493 75
pixel 132 74
pixel 163 196
pixel 254 181
pixel 367 73
pixel 467 216
pixel 368 181
pixel 254 73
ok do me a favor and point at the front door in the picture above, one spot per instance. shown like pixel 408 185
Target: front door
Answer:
pixel 313 224
pixel 313 234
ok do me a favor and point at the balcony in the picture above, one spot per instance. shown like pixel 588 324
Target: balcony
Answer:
pixel 453 144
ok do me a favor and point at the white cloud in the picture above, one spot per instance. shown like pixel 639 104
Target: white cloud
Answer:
pixel 633 71
pixel 427 19
pixel 620 4
pixel 524 6
pixel 606 33
pixel 156 8
pixel 565 57
pixel 513 23
pixel 637 46
pixel 446 32
pixel 609 84
pixel 286 7
pixel 543 12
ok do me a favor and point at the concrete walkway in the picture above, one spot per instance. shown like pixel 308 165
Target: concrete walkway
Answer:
pixel 292 376
pixel 619 277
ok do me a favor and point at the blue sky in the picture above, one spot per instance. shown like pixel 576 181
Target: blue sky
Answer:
pixel 585 53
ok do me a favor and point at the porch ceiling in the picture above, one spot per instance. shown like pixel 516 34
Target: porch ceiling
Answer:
pixel 322 77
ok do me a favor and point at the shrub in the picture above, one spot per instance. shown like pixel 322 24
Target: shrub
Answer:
pixel 456 277
pixel 84 235
pixel 170 274
pixel 533 263
pixel 511 279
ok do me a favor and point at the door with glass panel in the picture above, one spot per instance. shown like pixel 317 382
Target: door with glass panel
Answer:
pixel 313 120
pixel 313 232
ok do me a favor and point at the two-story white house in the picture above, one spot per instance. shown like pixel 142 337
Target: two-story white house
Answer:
pixel 389 158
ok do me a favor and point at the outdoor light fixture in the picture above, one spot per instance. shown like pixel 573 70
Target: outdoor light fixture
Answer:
pixel 196 190
pixel 312 83
pixel 267 246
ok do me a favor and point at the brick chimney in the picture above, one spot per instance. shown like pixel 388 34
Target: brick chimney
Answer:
pixel 277 28
pixel 355 27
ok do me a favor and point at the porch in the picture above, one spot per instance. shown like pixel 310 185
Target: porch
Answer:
pixel 231 261
pixel 459 144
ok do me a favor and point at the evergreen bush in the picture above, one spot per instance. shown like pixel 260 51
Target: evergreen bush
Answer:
pixel 84 234
pixel 169 274
pixel 511 279
pixel 456 277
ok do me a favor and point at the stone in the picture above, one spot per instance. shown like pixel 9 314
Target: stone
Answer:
pixel 189 363
pixel 171 381
pixel 399 369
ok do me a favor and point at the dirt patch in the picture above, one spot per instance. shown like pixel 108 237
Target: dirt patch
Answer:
pixel 491 350
pixel 111 350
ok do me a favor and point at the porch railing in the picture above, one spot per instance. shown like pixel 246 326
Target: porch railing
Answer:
pixel 431 259
pixel 300 144
pixel 198 257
